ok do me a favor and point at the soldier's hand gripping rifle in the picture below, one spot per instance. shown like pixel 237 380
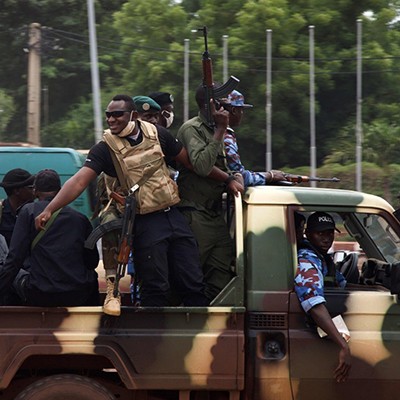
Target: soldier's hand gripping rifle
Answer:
pixel 212 93
pixel 303 178
pixel 125 226
pixel 126 237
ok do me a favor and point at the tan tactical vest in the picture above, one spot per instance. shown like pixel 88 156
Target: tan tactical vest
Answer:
pixel 144 165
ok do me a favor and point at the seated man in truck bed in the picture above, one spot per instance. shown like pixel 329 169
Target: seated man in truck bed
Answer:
pixel 18 185
pixel 316 269
pixel 51 268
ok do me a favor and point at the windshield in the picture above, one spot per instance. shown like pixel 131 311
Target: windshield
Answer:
pixel 382 234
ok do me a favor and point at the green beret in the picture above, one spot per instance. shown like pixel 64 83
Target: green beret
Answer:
pixel 144 103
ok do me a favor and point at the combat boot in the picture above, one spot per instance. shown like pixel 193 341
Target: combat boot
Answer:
pixel 112 304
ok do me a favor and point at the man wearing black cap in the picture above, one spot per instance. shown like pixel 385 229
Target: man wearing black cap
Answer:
pixel 18 185
pixel 315 270
pixel 51 268
pixel 166 102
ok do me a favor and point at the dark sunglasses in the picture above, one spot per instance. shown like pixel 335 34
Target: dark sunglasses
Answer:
pixel 116 114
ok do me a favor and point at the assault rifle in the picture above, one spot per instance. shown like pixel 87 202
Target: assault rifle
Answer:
pixel 126 237
pixel 211 92
pixel 125 225
pixel 303 178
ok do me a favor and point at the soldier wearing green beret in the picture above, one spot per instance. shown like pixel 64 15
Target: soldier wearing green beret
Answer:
pixel 147 108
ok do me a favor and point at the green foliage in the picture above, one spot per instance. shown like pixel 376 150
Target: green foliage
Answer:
pixel 75 130
pixel 141 49
pixel 7 111
pixel 376 180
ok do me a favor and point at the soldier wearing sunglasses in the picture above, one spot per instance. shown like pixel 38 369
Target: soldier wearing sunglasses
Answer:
pixel 164 245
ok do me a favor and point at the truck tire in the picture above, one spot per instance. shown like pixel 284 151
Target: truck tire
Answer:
pixel 65 387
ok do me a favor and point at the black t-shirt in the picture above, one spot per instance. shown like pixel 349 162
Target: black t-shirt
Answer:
pixel 99 157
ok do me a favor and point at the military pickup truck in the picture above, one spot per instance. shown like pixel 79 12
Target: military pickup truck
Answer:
pixel 253 343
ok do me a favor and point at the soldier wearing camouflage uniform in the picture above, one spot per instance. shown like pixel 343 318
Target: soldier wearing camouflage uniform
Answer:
pixel 163 244
pixel 235 104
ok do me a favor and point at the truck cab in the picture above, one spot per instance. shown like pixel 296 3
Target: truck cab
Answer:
pixel 290 360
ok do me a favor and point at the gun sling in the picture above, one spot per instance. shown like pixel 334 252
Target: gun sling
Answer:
pixel 46 227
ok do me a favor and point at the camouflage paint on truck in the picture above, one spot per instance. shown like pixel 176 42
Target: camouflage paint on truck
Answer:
pixel 254 342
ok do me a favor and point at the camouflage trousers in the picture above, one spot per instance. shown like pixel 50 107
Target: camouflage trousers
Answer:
pixel 109 242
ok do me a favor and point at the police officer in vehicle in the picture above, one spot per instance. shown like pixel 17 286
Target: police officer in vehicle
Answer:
pixel 315 270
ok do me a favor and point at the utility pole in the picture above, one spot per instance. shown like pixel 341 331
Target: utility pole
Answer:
pixel 313 147
pixel 186 81
pixel 98 122
pixel 359 132
pixel 34 85
pixel 225 58
pixel 268 106
pixel 45 91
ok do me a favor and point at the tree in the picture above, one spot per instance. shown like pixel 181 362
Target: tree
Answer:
pixel 64 52
pixel 6 113
pixel 141 50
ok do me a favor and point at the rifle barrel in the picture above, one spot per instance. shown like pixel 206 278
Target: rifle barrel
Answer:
pixel 304 178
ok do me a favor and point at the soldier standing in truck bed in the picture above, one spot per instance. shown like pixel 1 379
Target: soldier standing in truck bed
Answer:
pixel 163 243
pixel 202 197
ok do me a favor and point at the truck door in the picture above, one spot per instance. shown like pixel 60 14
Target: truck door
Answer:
pixel 372 315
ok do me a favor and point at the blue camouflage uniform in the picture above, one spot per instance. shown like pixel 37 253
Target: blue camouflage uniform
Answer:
pixel 311 276
pixel 235 165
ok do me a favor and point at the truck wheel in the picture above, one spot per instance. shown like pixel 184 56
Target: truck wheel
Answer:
pixel 65 387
